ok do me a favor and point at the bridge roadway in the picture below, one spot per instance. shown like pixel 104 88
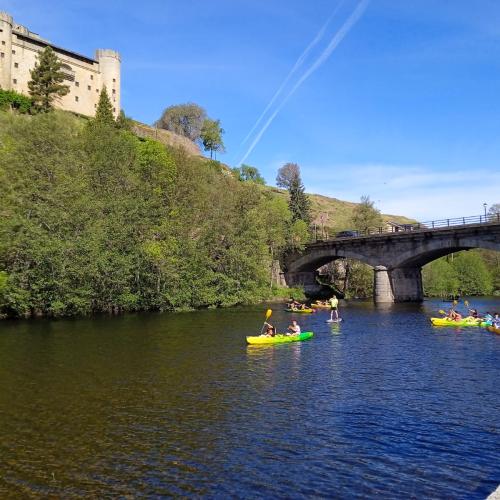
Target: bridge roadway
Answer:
pixel 397 258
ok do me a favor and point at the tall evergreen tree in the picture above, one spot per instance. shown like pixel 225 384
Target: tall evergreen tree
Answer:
pixel 299 203
pixel 104 113
pixel 46 84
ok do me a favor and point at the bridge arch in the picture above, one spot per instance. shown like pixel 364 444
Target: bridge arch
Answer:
pixel 440 248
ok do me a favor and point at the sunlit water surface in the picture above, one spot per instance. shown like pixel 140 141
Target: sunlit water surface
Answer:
pixel 382 404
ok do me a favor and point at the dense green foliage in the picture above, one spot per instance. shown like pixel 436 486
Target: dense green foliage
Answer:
pixel 246 173
pixel 183 119
pixel 10 99
pixel 464 273
pixel 46 84
pixel 95 219
pixel 365 216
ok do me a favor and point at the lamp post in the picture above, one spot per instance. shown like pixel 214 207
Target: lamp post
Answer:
pixel 484 206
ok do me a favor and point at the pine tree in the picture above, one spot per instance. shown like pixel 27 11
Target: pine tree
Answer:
pixel 123 122
pixel 299 203
pixel 46 84
pixel 104 113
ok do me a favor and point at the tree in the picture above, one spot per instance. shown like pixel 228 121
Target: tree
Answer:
pixel 289 178
pixel 299 203
pixel 247 173
pixel 211 137
pixel 286 174
pixel 494 210
pixel 46 84
pixel 183 119
pixel 123 121
pixel 474 277
pixel 365 216
pixel 440 279
pixel 104 113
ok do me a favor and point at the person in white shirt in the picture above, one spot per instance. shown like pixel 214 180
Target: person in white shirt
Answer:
pixel 294 328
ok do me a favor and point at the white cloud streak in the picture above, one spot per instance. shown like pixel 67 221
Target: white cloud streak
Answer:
pixel 323 57
pixel 298 64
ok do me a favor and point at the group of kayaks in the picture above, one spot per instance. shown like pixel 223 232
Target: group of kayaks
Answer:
pixel 308 310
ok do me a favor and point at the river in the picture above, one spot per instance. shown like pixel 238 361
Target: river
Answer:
pixel 382 404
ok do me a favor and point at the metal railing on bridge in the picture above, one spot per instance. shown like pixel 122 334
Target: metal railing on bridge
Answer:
pixel 417 226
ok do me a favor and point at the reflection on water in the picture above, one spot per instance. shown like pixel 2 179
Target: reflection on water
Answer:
pixel 382 404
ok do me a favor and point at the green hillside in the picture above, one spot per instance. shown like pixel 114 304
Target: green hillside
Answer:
pixel 337 213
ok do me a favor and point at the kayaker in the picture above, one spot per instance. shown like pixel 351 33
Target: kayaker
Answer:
pixel 454 315
pixel 334 305
pixel 270 330
pixel 473 313
pixel 496 320
pixel 294 328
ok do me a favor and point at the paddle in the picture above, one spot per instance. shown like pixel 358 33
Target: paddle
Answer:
pixel 268 315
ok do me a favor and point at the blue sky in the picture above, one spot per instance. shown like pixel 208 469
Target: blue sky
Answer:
pixel 406 108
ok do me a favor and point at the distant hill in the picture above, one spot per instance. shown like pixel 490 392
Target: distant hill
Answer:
pixel 337 213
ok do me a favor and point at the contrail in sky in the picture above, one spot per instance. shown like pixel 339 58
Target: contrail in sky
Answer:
pixel 335 41
pixel 296 66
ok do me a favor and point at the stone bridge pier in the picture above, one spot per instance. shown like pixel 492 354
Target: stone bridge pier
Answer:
pixel 397 285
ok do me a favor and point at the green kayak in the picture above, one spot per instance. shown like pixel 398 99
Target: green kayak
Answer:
pixel 279 338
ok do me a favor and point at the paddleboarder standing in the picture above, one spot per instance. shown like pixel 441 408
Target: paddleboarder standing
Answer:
pixel 334 304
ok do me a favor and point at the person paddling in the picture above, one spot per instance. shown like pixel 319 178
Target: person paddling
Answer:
pixel 270 330
pixel 334 305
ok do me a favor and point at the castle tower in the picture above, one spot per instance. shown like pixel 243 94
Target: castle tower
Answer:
pixel 6 23
pixel 109 67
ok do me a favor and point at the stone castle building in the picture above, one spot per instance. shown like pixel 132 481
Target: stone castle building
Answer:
pixel 84 76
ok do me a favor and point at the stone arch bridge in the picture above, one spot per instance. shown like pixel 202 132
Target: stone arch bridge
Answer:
pixel 397 257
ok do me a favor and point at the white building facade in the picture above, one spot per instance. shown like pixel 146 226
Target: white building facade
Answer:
pixel 85 76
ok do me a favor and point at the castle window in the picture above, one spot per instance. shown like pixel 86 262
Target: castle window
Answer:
pixel 68 72
pixel 114 110
pixel 14 52
pixel 89 87
pixel 14 81
pixel 3 42
pixel 76 98
pixel 16 65
pixel 77 84
pixel 97 91
pixel 2 55
pixel 114 80
pixel 91 77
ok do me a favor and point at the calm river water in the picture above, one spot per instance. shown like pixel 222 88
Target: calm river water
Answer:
pixel 176 404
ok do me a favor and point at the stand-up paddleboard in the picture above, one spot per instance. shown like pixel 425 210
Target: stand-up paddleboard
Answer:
pixel 334 320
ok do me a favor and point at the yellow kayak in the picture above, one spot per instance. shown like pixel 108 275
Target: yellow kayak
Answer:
pixel 320 306
pixel 462 322
pixel 303 311
pixel 492 329
pixel 280 338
